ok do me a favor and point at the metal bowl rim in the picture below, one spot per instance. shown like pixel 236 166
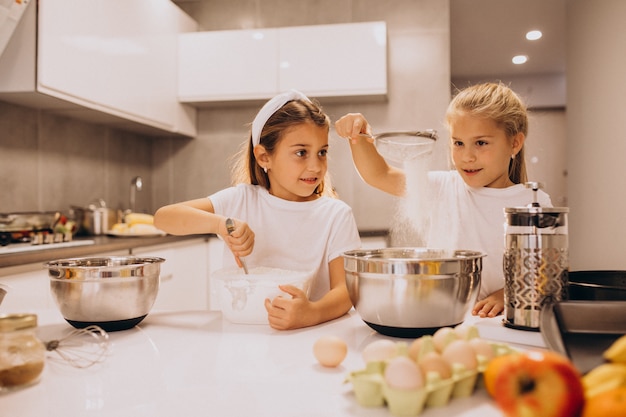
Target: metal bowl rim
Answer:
pixel 367 254
pixel 81 263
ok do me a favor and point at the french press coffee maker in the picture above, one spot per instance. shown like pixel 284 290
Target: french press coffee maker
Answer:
pixel 535 262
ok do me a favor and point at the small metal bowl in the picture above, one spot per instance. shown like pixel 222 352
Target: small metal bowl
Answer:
pixel 411 292
pixel 115 293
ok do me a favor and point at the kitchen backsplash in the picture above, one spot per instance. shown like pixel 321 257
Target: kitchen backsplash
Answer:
pixel 51 162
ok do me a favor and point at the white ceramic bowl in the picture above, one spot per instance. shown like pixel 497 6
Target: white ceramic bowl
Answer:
pixel 242 297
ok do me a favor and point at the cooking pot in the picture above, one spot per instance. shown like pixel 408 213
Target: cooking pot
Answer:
pixel 410 292
pixel 97 218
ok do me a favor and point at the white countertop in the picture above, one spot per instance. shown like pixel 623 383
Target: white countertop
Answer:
pixel 197 364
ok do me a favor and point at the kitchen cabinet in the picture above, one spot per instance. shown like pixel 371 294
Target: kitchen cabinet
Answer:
pixel 227 65
pixel 334 60
pixel 258 64
pixel 111 61
pixel 184 274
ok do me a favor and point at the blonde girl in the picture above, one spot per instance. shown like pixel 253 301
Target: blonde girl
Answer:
pixel 283 211
pixel 488 124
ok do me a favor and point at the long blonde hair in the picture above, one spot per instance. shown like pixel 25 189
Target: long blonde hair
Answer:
pixel 499 103
pixel 246 170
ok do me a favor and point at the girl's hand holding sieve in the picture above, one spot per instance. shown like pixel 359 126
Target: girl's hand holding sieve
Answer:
pixel 353 126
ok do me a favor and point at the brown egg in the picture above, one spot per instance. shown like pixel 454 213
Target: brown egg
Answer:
pixel 415 348
pixel 330 351
pixel 482 347
pixel 379 350
pixel 433 362
pixel 460 351
pixel 443 336
pixel 402 372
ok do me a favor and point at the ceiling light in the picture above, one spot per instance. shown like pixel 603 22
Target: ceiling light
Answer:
pixel 533 35
pixel 519 59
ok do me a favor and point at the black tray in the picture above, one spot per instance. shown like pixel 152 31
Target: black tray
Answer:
pixel 583 330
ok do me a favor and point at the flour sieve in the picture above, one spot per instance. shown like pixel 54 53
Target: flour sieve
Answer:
pixel 403 146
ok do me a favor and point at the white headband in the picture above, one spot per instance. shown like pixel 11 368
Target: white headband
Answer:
pixel 269 109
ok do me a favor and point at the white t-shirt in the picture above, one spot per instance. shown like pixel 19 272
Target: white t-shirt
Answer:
pixel 473 219
pixel 288 234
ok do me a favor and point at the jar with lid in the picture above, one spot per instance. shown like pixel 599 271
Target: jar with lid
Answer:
pixel 22 354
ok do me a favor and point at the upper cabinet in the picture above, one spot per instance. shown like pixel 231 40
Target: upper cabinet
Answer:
pixel 227 65
pixel 343 60
pixel 111 61
pixel 334 60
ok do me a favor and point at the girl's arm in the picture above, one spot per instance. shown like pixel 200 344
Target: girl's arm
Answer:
pixel 371 166
pixel 198 217
pixel 190 217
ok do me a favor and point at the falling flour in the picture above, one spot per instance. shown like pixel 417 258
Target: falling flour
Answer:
pixel 411 224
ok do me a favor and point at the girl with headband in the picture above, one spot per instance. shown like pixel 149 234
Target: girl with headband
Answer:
pixel 283 209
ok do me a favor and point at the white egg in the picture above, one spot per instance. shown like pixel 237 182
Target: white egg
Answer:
pixel 379 350
pixel 330 351
pixel 403 373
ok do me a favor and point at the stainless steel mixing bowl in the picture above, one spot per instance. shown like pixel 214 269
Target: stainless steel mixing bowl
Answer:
pixel 410 292
pixel 116 293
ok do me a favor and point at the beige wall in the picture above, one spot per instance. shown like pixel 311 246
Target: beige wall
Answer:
pixel 596 111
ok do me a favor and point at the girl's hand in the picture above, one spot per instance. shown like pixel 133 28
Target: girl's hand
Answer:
pixel 289 313
pixel 240 240
pixel 351 125
pixel 490 306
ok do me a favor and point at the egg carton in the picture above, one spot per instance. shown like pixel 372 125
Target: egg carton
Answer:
pixel 371 389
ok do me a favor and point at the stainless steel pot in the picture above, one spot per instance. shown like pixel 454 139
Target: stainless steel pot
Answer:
pixel 97 218
pixel 410 292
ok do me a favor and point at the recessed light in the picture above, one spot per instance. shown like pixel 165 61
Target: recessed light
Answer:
pixel 519 59
pixel 533 35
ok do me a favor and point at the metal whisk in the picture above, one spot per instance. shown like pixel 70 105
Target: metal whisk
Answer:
pixel 81 348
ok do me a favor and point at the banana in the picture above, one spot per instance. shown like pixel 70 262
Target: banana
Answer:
pixel 603 378
pixel 138 218
pixel 617 351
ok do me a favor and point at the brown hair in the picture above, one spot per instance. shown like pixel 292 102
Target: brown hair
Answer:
pixel 293 113
pixel 499 103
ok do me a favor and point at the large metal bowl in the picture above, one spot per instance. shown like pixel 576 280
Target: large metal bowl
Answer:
pixel 115 293
pixel 410 292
